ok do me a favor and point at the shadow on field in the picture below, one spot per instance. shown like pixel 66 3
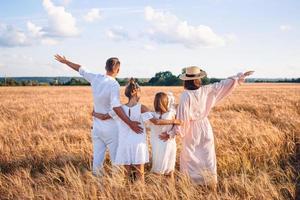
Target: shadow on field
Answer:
pixel 40 165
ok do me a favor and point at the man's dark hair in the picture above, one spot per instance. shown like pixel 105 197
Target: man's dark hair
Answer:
pixel 110 63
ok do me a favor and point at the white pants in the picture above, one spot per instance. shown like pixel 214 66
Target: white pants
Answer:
pixel 104 136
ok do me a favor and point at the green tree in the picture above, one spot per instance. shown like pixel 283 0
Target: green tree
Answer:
pixel 11 82
pixel 165 78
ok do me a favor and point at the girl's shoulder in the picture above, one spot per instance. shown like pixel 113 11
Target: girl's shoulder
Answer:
pixel 169 115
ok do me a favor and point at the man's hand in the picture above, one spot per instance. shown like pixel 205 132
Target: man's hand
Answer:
pixel 248 73
pixel 61 59
pixel 164 136
pixel 135 126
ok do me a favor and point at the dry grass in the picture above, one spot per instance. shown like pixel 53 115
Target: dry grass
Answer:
pixel 46 150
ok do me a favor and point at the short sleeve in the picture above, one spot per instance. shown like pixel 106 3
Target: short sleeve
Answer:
pixel 147 116
pixel 87 75
pixel 115 96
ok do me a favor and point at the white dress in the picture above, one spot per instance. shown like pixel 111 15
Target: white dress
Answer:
pixel 198 157
pixel 163 153
pixel 132 147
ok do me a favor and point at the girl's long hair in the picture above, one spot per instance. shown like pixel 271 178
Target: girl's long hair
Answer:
pixel 161 101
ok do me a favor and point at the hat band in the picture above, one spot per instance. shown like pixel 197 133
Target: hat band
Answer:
pixel 192 75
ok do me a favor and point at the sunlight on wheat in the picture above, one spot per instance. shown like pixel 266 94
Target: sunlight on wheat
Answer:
pixel 46 150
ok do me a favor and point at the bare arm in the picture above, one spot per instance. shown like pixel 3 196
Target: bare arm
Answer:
pixel 165 121
pixel 161 121
pixel 63 60
pixel 135 126
pixel 101 116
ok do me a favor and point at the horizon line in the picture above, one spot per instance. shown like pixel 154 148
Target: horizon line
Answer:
pixel 133 77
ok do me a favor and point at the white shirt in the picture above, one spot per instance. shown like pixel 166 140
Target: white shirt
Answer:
pixel 105 89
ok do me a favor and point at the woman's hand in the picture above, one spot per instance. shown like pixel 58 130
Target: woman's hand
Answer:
pixel 248 73
pixel 164 136
pixel 61 59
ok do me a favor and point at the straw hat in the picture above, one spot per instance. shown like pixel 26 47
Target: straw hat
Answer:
pixel 192 73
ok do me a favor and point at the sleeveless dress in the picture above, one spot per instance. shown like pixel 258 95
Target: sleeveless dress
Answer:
pixel 163 153
pixel 132 147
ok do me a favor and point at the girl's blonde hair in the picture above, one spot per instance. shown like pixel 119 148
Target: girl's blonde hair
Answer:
pixel 161 101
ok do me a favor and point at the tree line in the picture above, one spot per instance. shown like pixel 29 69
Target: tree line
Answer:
pixel 33 82
pixel 164 78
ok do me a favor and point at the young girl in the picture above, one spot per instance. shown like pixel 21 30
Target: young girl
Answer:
pixel 132 149
pixel 163 153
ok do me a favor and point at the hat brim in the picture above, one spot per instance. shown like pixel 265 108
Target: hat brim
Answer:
pixel 186 78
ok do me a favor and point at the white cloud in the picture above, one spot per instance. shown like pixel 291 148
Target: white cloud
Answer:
pixel 34 30
pixel 117 34
pixel 167 28
pixel 285 28
pixel 10 36
pixel 61 23
pixel 93 15
pixel 38 36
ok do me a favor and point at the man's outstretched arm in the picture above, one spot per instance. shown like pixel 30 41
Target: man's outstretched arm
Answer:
pixel 84 73
pixel 63 60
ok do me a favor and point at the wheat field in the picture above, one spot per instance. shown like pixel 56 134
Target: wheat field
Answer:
pixel 46 149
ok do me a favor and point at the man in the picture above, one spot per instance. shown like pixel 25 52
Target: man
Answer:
pixel 106 96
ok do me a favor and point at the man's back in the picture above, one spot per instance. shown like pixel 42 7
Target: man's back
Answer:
pixel 106 91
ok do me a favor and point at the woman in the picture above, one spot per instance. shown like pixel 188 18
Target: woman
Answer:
pixel 198 157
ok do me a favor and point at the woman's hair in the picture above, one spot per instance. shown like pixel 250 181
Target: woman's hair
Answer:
pixel 161 102
pixel 192 84
pixel 111 63
pixel 131 88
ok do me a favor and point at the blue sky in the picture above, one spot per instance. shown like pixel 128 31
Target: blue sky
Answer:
pixel 221 36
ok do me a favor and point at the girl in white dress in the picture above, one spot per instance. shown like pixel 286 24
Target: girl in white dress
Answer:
pixel 163 152
pixel 132 151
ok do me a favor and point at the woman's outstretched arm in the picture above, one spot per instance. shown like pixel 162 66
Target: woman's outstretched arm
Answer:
pixel 223 88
